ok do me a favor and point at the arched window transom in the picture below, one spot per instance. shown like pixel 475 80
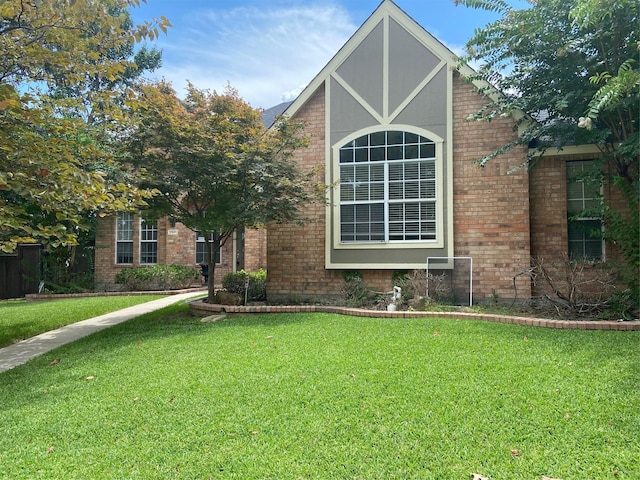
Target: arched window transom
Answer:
pixel 388 188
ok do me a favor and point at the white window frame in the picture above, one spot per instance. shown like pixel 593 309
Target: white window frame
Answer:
pixel 436 159
pixel 148 240
pixel 124 237
pixel 585 199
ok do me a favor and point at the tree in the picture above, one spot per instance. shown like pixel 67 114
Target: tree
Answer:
pixel 49 158
pixel 572 67
pixel 101 102
pixel 217 168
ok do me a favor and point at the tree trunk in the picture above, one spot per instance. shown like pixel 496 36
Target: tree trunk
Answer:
pixel 213 248
pixel 211 253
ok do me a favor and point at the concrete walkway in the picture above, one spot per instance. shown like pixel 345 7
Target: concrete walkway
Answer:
pixel 25 350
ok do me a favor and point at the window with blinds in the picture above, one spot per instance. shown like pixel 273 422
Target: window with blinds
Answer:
pixel 388 188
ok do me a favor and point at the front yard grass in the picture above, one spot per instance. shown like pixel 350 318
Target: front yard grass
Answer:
pixel 20 319
pixel 317 395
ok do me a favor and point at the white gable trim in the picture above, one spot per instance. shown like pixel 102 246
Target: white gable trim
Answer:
pixel 386 10
pixel 412 95
pixel 372 111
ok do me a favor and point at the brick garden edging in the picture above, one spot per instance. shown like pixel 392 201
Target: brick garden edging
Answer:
pixel 204 309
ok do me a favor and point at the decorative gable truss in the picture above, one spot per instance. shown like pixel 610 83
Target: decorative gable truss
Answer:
pixel 388 145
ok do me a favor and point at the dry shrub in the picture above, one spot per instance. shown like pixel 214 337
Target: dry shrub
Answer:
pixel 579 288
pixel 439 285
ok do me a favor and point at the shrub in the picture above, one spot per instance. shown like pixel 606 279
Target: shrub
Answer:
pixel 580 288
pixel 400 277
pixel 235 282
pixel 415 285
pixel 77 283
pixel 349 275
pixel 157 277
pixel 356 293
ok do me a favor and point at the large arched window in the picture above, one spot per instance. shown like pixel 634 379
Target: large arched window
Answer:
pixel 388 188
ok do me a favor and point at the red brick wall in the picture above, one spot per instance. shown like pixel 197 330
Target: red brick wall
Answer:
pixel 255 249
pixel 295 254
pixel 176 249
pixel 491 212
pixel 491 208
pixel 548 197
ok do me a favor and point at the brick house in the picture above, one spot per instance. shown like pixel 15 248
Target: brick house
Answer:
pixel 127 240
pixel 387 119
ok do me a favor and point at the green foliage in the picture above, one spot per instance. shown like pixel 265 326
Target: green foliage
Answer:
pixel 62 64
pixel 157 277
pixel 358 294
pixel 399 277
pixel 63 41
pixel 77 283
pixel 550 59
pixel 45 188
pixel 350 275
pixel 624 305
pixel 69 269
pixel 217 168
pixel 571 66
pixel 615 90
pixel 257 289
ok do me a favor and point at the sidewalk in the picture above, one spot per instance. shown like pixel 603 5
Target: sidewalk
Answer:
pixel 25 350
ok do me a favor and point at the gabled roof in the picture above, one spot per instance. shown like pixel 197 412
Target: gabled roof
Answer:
pixel 386 9
pixel 270 114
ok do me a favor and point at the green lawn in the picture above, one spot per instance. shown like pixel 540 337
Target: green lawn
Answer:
pixel 292 396
pixel 20 319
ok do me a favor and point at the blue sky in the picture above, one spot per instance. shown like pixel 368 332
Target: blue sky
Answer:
pixel 270 49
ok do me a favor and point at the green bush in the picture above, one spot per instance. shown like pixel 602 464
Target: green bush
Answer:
pixel 235 282
pixel 356 293
pixel 350 275
pixel 157 277
pixel 76 283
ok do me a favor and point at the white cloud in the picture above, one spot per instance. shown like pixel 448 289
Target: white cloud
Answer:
pixel 267 54
pixel 292 94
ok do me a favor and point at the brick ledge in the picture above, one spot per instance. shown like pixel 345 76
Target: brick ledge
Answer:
pixel 55 296
pixel 204 309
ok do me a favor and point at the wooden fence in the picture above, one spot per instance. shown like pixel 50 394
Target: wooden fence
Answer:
pixel 20 273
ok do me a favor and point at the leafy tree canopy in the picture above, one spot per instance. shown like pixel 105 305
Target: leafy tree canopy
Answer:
pixel 568 65
pixel 217 168
pixel 63 65
pixel 572 66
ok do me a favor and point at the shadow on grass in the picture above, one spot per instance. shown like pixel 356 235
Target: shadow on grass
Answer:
pixel 15 332
pixel 67 365
pixel 472 390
